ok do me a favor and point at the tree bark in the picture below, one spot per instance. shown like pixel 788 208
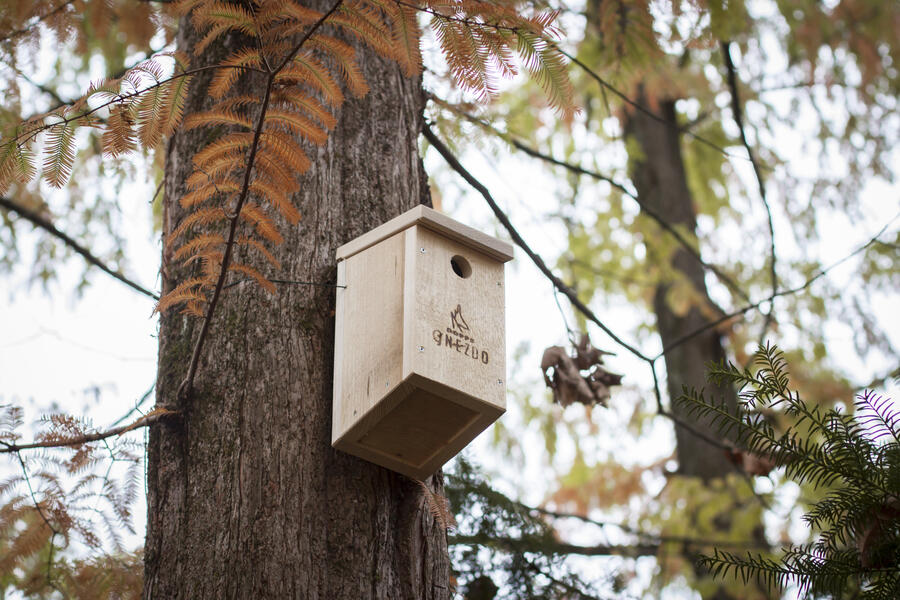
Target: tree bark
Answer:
pixel 659 177
pixel 247 499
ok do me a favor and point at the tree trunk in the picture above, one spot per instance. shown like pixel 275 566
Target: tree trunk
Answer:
pixel 247 499
pixel 660 180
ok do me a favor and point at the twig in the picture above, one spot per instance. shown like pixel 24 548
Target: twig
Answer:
pixel 35 20
pixel 136 407
pixel 658 538
pixel 738 115
pixel 186 386
pixel 42 222
pixel 570 588
pixel 655 216
pixel 454 163
pixel 551 546
pixel 286 282
pixel 148 419
pixel 741 311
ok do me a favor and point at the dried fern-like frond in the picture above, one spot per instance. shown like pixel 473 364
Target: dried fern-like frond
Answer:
pixel 119 136
pixel 406 36
pixel 183 292
pixel 253 274
pixel 60 154
pixel 438 505
pixel 16 164
pixel 217 117
pixel 197 244
pixel 344 56
pixel 306 69
pixel 277 197
pixel 235 65
pixel 202 216
pixel 282 147
pixel 254 243
pixel 364 21
pixel 263 224
pixel 546 65
pixel 304 103
pixel 298 124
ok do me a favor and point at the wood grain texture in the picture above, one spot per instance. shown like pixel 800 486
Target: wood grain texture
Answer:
pixel 436 221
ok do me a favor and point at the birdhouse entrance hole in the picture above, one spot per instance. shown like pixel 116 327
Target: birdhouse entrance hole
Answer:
pixel 461 266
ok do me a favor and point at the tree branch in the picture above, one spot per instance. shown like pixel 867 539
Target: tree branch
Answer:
pixel 551 546
pixel 795 290
pixel 35 20
pixel 655 216
pixel 39 221
pixel 454 163
pixel 153 416
pixel 738 115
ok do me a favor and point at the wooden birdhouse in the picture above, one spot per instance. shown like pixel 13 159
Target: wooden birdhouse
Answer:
pixel 419 358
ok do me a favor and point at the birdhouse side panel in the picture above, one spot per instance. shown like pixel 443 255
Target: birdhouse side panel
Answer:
pixel 455 323
pixel 368 332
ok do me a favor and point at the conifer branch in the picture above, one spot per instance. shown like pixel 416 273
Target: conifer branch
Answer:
pixel 552 546
pixel 61 120
pixel 42 222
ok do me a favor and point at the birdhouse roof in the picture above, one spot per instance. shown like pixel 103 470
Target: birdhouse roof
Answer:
pixel 435 221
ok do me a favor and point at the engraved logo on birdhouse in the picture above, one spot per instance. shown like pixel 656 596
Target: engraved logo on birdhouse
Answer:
pixel 459 337
pixel 457 322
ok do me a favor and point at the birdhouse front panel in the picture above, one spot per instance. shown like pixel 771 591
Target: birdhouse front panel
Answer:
pixel 419 341
pixel 454 325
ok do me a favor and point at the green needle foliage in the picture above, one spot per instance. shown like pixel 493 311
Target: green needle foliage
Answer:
pixel 854 459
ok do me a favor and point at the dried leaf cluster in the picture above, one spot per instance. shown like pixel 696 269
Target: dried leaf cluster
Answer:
pixel 579 377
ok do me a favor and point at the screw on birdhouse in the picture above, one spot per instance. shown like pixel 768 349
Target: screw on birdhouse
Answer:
pixel 421 348
pixel 499 382
pixel 422 250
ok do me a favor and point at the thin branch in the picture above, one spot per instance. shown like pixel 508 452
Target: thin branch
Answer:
pixel 738 114
pixel 39 221
pixel 741 311
pixel 38 86
pixel 640 107
pixel 572 589
pixel 136 407
pixel 655 216
pixel 546 546
pixel 148 419
pixel 35 21
pixel 454 163
pixel 186 386
pixel 62 120
pixel 657 538
pixel 286 282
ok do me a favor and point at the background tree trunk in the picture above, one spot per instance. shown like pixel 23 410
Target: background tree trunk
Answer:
pixel 660 180
pixel 247 499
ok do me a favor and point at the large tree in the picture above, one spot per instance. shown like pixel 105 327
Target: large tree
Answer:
pixel 289 129
pixel 246 496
